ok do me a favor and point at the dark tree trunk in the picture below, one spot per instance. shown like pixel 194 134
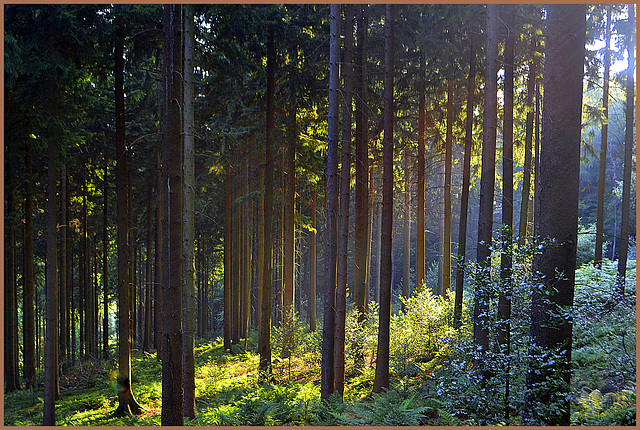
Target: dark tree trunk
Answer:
pixel 597 259
pixel 63 266
pixel 528 140
pixel 126 402
pixel 381 380
pixel 327 386
pixel 172 220
pixel 12 378
pixel 148 285
pixel 345 194
pixel 466 179
pixel 264 341
pixel 488 177
pixel 188 297
pixel 105 265
pixel 549 372
pixel 28 318
pixel 446 267
pixel 157 264
pixel 228 281
pixel 312 262
pixel 51 390
pixel 628 161
pixel 420 257
pixel 504 300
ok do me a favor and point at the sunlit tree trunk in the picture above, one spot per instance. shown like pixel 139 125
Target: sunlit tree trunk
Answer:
pixel 420 257
pixel 313 261
pixel 105 265
pixel 446 275
pixel 406 224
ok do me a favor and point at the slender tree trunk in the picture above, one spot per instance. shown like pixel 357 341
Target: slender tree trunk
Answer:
pixel 289 217
pixel 327 386
pixel 126 402
pixel 51 390
pixel 260 262
pixel 406 224
pixel 420 257
pixel 11 373
pixel 528 140
pixel 628 161
pixel 172 221
pixel 369 242
pixel 63 266
pixel 28 312
pixel 345 194
pixel 487 179
pixel 446 275
pixel 228 281
pixel 105 265
pixel 548 378
pixel 466 179
pixel 362 167
pixel 313 262
pixel 157 264
pixel 264 340
pixel 381 380
pixel 504 299
pixel 188 296
pixel 597 259
pixel 148 287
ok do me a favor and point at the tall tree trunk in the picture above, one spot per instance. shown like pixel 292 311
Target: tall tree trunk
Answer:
pixel 157 263
pixel 11 373
pixel 528 140
pixel 327 381
pixel 28 311
pixel 126 402
pixel 378 208
pixel 628 161
pixel 549 372
pixel 172 220
pixel 488 177
pixel 148 285
pixel 345 194
pixel 260 262
pixel 446 275
pixel 228 281
pixel 362 167
pixel 313 262
pixel 466 179
pixel 289 216
pixel 264 340
pixel 504 299
pixel 381 380
pixel 597 259
pixel 420 257
pixel 406 224
pixel 188 296
pixel 51 390
pixel 105 265
pixel 63 266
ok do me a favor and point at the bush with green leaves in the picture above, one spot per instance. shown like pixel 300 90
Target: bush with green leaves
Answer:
pixel 611 409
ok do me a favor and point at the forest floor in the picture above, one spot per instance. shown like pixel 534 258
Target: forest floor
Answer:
pixel 438 391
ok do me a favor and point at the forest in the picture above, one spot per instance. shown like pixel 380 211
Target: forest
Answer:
pixel 314 214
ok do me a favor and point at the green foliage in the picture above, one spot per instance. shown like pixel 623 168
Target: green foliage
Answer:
pixel 611 409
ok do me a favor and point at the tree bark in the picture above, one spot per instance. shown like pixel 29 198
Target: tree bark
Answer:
pixel 381 380
pixel 172 220
pixel 466 179
pixel 126 402
pixel 628 161
pixel 597 259
pixel 327 383
pixel 188 296
pixel 105 265
pixel 549 372
pixel 28 319
pixel 345 194
pixel 528 140
pixel 264 341
pixel 51 390
pixel 11 373
pixel 63 329
pixel 487 179
pixel 420 257
pixel 406 221
pixel 446 275
pixel 313 262
pixel 157 264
